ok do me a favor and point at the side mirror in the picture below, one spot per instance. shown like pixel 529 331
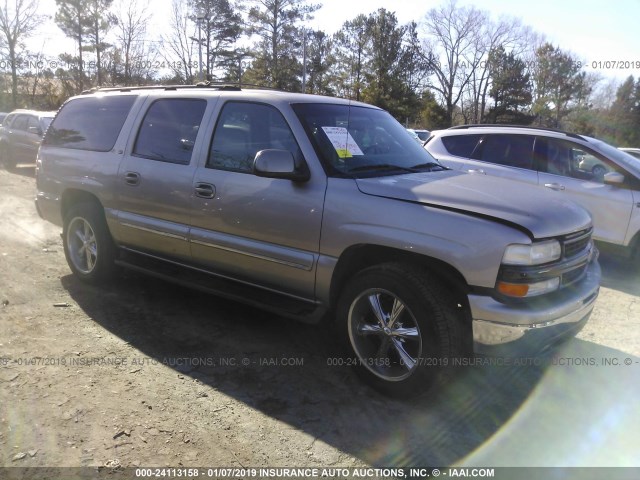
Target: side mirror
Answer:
pixel 613 178
pixel 272 163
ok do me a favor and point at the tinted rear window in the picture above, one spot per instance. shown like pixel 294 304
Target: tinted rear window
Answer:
pixel 91 123
pixel 460 145
pixel 169 129
pixel 504 149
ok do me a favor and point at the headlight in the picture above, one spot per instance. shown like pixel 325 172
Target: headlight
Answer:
pixel 534 254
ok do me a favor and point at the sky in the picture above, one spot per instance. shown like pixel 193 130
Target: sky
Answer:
pixel 603 34
pixel 597 31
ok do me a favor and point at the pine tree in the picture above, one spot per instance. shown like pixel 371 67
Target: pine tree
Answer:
pixel 73 20
pixel 511 89
pixel 277 24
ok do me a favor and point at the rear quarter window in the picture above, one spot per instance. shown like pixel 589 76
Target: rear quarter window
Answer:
pixel 460 145
pixel 91 123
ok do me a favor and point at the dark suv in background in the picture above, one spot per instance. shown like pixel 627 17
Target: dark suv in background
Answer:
pixel 20 136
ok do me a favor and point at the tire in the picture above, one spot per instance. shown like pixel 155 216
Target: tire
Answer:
pixel 598 171
pixel 635 252
pixel 88 246
pixel 5 158
pixel 402 328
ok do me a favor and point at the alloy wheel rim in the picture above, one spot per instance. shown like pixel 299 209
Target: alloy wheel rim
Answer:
pixel 384 334
pixel 82 245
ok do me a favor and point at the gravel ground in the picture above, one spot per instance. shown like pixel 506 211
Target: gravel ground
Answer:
pixel 144 373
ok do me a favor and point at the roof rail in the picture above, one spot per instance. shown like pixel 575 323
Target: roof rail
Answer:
pixel 530 127
pixel 221 86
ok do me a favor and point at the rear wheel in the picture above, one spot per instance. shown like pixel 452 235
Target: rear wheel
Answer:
pixel 88 246
pixel 402 328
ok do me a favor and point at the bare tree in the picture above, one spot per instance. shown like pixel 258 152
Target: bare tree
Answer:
pixel 131 31
pixel 453 38
pixel 180 44
pixel 508 34
pixel 18 20
pixel 604 92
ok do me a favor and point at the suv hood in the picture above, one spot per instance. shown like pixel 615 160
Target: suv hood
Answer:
pixel 540 212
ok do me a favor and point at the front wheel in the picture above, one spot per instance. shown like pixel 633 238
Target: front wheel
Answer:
pixel 6 158
pixel 88 245
pixel 402 328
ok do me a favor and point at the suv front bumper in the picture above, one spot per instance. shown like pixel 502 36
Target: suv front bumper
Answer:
pixel 529 328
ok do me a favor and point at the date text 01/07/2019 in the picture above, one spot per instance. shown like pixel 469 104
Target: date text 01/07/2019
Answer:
pixel 614 64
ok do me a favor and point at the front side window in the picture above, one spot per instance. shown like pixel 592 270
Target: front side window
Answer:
pixel 562 157
pixel 169 129
pixel 20 123
pixel 243 129
pixel 508 150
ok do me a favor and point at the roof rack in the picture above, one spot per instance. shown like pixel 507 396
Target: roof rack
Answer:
pixel 221 86
pixel 530 127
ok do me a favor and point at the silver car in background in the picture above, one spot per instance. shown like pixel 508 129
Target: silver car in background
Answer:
pixel 20 136
pixel 634 152
pixel 603 179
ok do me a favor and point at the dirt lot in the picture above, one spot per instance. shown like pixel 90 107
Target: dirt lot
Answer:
pixel 143 373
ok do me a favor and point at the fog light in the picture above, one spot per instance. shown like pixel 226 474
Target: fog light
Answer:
pixel 522 290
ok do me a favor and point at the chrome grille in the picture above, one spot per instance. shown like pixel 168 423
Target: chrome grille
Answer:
pixel 575 244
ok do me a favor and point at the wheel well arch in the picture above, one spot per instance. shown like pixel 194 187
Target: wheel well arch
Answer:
pixel 359 257
pixel 73 197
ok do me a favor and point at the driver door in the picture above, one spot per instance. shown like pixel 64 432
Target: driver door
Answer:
pixel 263 231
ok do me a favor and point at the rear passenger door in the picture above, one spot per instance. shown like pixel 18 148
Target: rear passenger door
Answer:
pixel 155 177
pixel 264 231
pixel 505 155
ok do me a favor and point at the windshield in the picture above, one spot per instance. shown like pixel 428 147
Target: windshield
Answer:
pixel 354 140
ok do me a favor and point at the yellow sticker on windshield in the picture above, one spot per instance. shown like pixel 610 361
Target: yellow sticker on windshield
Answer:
pixel 343 153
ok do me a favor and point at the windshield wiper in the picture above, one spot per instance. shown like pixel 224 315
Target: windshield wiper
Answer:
pixel 380 166
pixel 429 167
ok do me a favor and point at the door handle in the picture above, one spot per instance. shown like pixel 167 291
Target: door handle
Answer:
pixel 554 186
pixel 477 171
pixel 205 190
pixel 132 178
